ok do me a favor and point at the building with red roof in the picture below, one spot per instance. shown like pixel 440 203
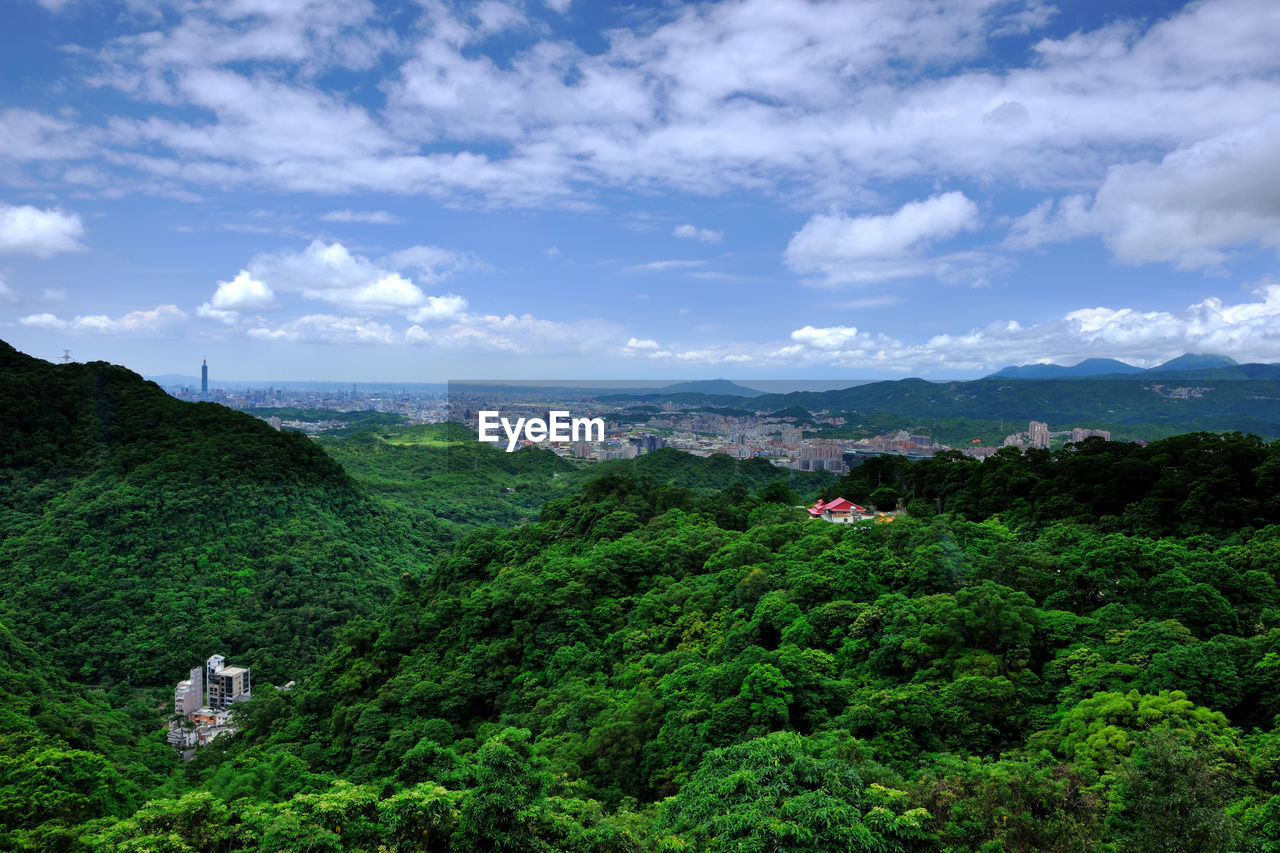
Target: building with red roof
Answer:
pixel 838 511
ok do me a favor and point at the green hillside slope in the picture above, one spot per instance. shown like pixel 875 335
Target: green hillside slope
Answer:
pixel 141 534
pixel 69 754
pixel 1245 404
pixel 628 673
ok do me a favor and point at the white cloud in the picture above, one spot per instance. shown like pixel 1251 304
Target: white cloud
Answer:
pixel 1034 17
pixel 702 235
pixel 145 323
pixel 328 329
pixel 27 136
pixel 26 230
pixel 818 102
pixel 310 34
pixel 512 334
pixel 6 293
pixel 526 335
pixel 494 17
pixel 208 312
pixel 43 321
pixel 329 272
pixel 831 337
pixel 392 292
pixel 1189 209
pixel 374 217
pixel 878 301
pixel 659 266
pixel 848 239
pixel 1247 331
pixel 434 263
pixel 872 248
pixel 438 308
pixel 645 343
pixel 242 293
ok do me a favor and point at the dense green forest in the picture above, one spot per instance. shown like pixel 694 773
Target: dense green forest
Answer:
pixel 141 534
pixel 440 472
pixel 354 421
pixel 1071 650
pixel 648 668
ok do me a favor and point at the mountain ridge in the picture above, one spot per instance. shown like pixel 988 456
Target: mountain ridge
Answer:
pixel 1112 366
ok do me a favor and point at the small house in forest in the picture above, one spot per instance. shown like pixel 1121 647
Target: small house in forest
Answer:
pixel 838 511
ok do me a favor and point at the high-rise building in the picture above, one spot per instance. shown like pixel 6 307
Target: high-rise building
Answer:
pixel 226 684
pixel 1038 434
pixel 204 379
pixel 189 694
pixel 647 443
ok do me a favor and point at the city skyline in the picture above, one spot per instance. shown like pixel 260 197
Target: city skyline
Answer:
pixel 367 191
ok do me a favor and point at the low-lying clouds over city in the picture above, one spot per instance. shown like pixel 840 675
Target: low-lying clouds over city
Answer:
pixel 360 190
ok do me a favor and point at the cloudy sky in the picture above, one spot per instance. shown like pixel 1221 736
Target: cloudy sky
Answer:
pixel 360 190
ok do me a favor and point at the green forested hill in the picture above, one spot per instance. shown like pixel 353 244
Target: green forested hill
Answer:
pixel 69 754
pixel 1185 485
pixel 1067 651
pixel 634 672
pixel 1214 402
pixel 1244 398
pixel 141 534
pixel 440 472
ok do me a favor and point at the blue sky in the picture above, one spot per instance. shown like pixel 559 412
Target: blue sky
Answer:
pixel 356 190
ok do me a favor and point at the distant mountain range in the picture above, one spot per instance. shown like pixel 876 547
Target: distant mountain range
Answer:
pixel 1112 367
pixel 711 386
pixel 1192 392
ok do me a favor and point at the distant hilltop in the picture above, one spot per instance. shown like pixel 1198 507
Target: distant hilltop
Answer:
pixel 712 386
pixel 1111 367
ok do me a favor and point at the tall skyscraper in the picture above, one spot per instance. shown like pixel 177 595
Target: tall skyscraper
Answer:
pixel 204 379
pixel 1038 433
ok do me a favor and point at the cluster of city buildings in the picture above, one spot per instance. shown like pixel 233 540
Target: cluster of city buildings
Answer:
pixel 1177 392
pixel 1037 435
pixel 633 427
pixel 619 447
pixel 424 405
pixel 202 703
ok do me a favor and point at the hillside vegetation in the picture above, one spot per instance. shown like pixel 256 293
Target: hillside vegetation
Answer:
pixel 646 669
pixel 439 472
pixel 141 534
pixel 1067 651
